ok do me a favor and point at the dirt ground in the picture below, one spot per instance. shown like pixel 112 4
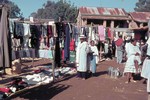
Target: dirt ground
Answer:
pixel 99 87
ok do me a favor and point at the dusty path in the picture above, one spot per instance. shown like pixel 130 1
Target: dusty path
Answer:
pixel 100 87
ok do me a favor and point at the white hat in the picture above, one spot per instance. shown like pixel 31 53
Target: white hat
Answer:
pixel 82 36
pixel 128 38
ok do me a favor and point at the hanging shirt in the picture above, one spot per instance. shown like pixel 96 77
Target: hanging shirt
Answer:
pixel 101 33
pixel 72 45
pixel 26 29
pixel 19 29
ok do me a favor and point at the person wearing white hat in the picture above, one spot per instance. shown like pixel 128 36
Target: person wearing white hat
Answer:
pixel 81 57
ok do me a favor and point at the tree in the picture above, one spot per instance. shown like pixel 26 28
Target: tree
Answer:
pixel 56 10
pixel 142 6
pixel 14 9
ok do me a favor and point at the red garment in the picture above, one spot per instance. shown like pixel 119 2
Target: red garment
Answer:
pixel 62 52
pixel 109 33
pixel 137 36
pixel 119 42
pixel 72 45
pixel 6 90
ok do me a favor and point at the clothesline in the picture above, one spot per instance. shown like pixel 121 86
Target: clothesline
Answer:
pixel 32 23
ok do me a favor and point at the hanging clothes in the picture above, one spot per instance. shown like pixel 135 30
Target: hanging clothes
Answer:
pixel 101 33
pixel 49 34
pixel 109 33
pixel 49 31
pixel 18 32
pixel 106 33
pixel 19 29
pixel 72 45
pixel 83 31
pixel 5 47
pixel 75 35
pixel 94 33
pixel 27 35
pixel 11 25
pixel 67 43
pixel 44 30
pixel 35 34
pixel 86 31
pixel 90 34
pixel 57 44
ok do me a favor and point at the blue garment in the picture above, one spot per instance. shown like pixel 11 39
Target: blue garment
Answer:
pixel 93 64
pixel 67 43
pixel 75 33
pixel 119 54
pixel 19 29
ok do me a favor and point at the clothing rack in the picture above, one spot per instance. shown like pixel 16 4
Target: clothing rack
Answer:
pixel 39 23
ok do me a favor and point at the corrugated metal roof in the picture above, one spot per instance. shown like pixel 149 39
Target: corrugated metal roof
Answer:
pixel 102 11
pixel 140 16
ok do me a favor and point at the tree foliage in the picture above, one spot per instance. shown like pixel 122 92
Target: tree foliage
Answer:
pixel 142 6
pixel 56 10
pixel 14 10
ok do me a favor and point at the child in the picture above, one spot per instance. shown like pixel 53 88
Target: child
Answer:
pixel 94 57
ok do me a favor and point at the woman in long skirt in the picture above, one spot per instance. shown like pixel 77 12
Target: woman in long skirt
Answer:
pixel 133 61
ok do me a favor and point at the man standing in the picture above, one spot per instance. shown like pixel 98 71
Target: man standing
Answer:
pixel 81 57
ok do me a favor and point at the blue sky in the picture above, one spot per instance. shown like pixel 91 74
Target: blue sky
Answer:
pixel 29 6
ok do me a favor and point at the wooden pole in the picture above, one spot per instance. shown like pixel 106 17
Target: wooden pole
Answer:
pixel 53 60
pixel 53 65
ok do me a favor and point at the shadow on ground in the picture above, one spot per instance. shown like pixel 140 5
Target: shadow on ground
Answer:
pixel 101 73
pixel 42 92
pixel 97 74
